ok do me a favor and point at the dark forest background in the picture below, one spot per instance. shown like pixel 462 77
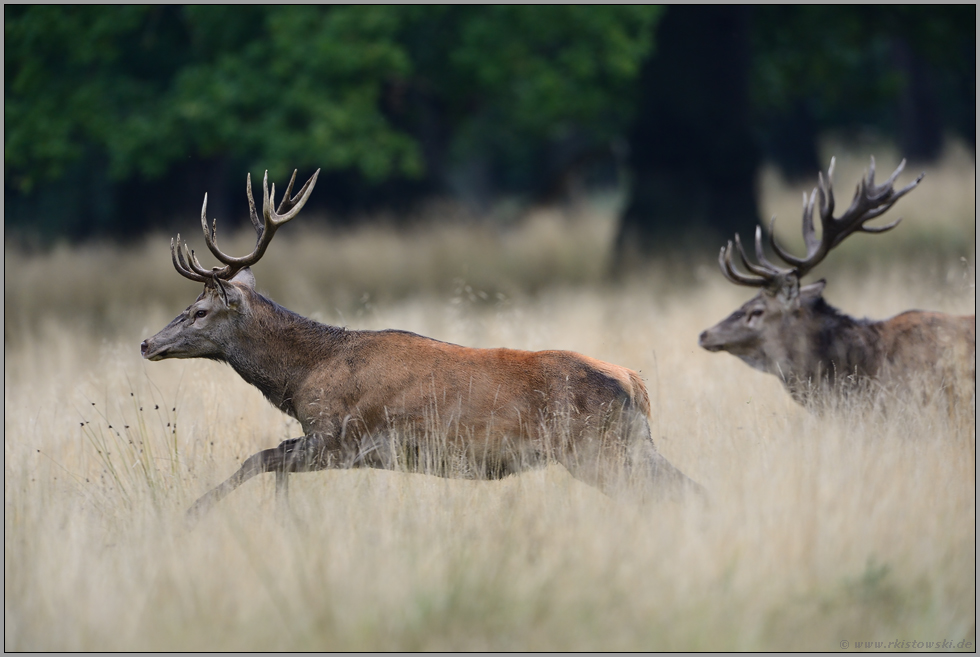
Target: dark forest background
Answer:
pixel 118 119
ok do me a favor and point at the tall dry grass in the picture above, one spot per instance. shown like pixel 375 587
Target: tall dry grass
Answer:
pixel 850 526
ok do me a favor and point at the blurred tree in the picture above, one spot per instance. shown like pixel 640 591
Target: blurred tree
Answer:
pixel 729 86
pixel 516 84
pixel 909 71
pixel 692 154
pixel 116 98
pixel 149 85
pixel 111 108
pixel 112 111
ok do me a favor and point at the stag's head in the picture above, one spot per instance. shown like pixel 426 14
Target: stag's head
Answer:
pixel 210 324
pixel 778 322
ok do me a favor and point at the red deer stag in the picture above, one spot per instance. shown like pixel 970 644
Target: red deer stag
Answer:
pixel 357 393
pixel 790 331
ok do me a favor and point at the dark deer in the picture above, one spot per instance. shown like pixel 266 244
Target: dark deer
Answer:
pixel 374 398
pixel 790 330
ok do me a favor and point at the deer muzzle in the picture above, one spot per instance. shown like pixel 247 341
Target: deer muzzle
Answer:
pixel 708 341
pixel 150 352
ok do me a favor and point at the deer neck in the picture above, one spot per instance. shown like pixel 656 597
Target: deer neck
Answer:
pixel 824 347
pixel 276 350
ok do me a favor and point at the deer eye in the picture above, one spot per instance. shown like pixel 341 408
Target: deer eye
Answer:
pixel 755 313
pixel 200 313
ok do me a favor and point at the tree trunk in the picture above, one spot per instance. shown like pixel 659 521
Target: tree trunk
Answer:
pixel 920 127
pixel 692 154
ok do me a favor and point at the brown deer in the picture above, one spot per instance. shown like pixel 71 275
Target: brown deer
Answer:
pixel 377 398
pixel 790 330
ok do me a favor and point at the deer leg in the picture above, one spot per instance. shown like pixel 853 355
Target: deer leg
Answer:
pixel 624 460
pixel 294 455
pixel 268 460
pixel 282 489
pixel 289 448
pixel 654 474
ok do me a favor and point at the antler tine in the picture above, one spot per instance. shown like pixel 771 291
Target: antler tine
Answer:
pixel 734 275
pixel 810 238
pixel 871 201
pixel 808 233
pixel 758 270
pixel 290 206
pixel 252 214
pixel 760 254
pixel 871 214
pixel 891 178
pixel 181 265
pixel 887 185
pixel 200 269
pixel 267 203
pixel 765 271
pixel 827 202
pixel 210 233
pixel 284 204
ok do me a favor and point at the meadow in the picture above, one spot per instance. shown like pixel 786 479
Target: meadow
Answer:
pixel 821 532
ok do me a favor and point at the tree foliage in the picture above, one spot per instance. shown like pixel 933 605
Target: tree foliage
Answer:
pixel 110 105
pixel 729 87
pixel 908 71
pixel 278 87
pixel 150 85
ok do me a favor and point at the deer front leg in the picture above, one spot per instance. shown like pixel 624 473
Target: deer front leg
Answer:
pixel 303 454
pixel 282 489
pixel 296 454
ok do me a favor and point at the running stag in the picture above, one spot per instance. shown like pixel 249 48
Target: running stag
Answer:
pixel 379 398
pixel 790 330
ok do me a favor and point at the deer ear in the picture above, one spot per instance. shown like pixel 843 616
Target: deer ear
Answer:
pixel 229 295
pixel 245 277
pixel 812 291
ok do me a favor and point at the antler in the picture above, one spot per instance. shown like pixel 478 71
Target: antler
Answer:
pixel 870 201
pixel 289 207
pixel 765 272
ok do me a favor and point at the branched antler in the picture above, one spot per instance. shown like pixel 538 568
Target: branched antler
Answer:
pixel 870 201
pixel 189 266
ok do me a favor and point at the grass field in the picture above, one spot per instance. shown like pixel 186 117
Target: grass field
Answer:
pixel 847 527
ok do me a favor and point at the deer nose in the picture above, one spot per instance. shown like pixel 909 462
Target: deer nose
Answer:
pixel 143 348
pixel 704 342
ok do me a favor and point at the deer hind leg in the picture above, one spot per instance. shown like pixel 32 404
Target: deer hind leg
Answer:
pixel 623 459
pixel 650 472
pixel 303 454
pixel 637 469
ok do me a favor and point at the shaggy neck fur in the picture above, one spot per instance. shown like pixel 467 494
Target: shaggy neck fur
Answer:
pixel 277 349
pixel 828 348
